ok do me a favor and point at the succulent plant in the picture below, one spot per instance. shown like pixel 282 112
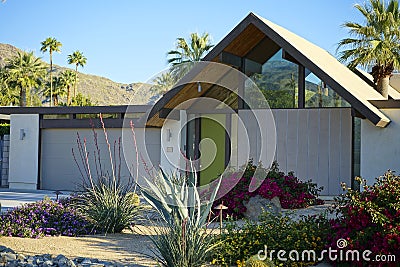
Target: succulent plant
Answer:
pixel 183 240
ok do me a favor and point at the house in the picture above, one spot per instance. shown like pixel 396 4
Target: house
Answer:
pixel 217 115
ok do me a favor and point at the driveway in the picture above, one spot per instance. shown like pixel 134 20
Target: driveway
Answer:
pixel 12 198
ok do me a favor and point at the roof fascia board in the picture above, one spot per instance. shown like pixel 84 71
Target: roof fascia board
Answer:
pixel 76 110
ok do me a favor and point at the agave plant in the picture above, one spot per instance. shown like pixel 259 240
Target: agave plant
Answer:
pixel 183 239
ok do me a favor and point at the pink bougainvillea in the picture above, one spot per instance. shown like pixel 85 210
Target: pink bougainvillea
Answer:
pixel 370 220
pixel 292 192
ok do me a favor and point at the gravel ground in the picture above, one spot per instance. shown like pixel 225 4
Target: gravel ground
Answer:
pixel 126 249
pixel 122 249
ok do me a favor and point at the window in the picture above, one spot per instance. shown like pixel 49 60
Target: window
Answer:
pixel 56 116
pixel 136 115
pixel 278 81
pixel 318 94
pixel 96 116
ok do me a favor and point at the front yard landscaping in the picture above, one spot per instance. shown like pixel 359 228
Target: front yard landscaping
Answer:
pixel 366 220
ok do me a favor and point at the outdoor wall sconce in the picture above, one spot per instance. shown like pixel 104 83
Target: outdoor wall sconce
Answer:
pixel 22 134
pixel 199 87
pixel 169 134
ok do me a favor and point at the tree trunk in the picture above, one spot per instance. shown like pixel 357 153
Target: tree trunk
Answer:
pixel 55 100
pixel 383 86
pixel 22 97
pixel 51 79
pixel 68 95
pixel 76 73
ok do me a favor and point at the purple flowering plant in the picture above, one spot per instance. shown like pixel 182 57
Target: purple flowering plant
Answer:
pixel 44 218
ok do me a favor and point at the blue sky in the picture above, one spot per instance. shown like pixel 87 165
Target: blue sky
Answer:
pixel 127 40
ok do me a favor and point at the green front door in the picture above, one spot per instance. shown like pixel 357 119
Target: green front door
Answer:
pixel 212 146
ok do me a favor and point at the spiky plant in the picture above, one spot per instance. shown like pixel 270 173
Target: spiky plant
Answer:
pixel 183 239
pixel 109 207
pixel 107 202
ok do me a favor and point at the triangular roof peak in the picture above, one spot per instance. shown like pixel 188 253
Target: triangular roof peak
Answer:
pixel 255 30
pixel 346 83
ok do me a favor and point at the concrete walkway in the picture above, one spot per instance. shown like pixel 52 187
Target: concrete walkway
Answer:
pixel 12 198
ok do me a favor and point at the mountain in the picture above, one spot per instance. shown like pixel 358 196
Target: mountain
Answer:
pixel 101 90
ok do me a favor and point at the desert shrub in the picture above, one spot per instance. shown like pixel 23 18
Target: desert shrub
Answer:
pixel 44 218
pixel 109 207
pixel 370 219
pixel 292 192
pixel 276 232
pixel 182 240
pixel 108 201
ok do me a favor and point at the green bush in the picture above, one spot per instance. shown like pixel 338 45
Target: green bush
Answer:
pixel 4 128
pixel 255 262
pixel 276 232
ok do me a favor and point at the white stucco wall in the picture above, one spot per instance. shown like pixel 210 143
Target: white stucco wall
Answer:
pixel 24 154
pixel 380 147
pixel 172 139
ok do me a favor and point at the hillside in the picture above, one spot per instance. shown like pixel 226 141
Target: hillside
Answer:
pixel 101 90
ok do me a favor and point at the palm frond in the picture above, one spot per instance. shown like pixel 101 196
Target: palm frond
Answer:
pixel 376 41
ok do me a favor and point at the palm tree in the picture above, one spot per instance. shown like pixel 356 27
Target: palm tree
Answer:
pixel 9 95
pixel 25 72
pixel 67 80
pixel 78 59
pixel 59 89
pixel 376 44
pixel 81 101
pixel 51 45
pixel 194 51
pixel 163 83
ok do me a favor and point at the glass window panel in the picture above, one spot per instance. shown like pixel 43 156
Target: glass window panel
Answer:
pixel 319 94
pixel 95 116
pixel 56 116
pixel 135 115
pixel 278 82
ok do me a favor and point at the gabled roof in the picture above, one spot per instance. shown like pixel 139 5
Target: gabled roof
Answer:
pixel 253 30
